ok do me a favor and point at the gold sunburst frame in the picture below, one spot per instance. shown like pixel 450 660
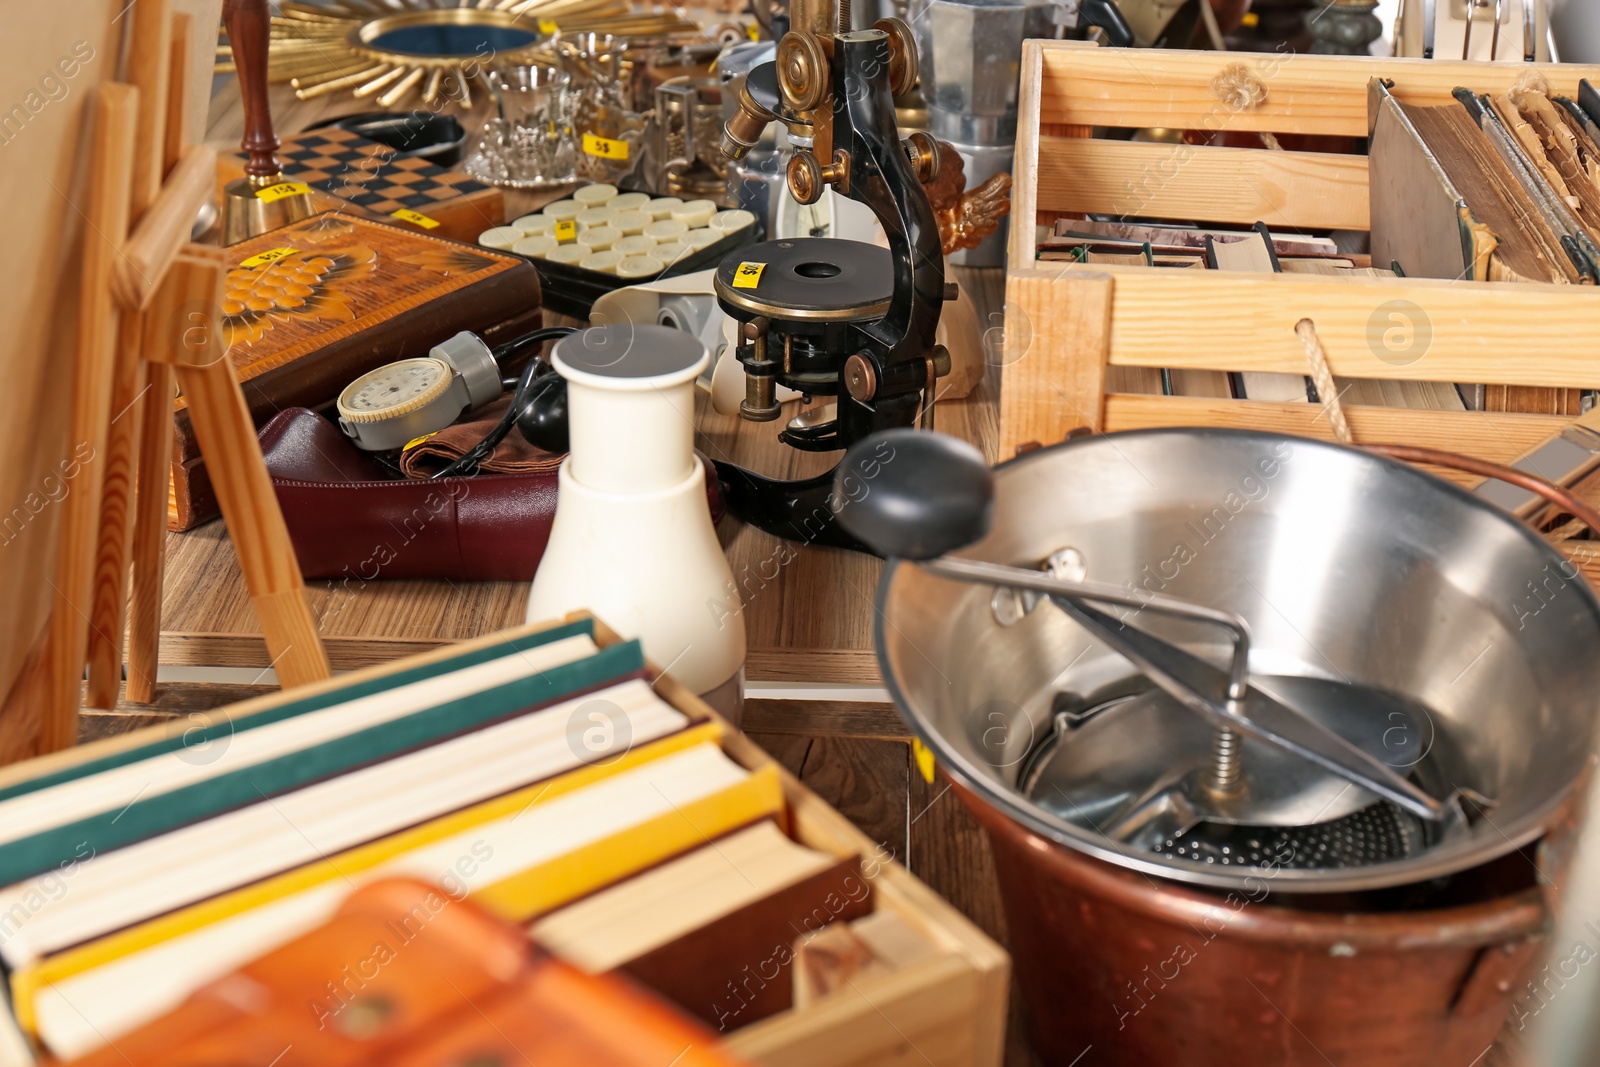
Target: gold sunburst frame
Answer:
pixel 325 49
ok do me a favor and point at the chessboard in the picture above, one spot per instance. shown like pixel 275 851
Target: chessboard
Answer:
pixel 346 170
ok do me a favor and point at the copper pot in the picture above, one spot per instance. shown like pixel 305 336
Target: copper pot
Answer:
pixel 1118 968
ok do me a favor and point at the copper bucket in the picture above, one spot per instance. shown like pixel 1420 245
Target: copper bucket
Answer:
pixel 1116 968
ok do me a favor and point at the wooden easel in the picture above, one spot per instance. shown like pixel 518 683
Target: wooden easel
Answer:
pixel 159 297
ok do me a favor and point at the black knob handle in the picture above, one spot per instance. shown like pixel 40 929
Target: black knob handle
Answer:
pixel 914 494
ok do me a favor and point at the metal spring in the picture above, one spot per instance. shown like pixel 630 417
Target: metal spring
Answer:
pixel 1225 771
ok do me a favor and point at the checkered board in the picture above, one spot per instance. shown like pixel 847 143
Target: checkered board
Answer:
pixel 362 173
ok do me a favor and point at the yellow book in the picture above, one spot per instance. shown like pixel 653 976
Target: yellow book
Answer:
pixel 522 854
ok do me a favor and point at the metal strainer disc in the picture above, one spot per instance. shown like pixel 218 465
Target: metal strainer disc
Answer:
pixel 1376 834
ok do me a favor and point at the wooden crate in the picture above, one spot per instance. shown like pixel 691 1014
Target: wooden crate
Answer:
pixel 1070 328
pixel 948 1010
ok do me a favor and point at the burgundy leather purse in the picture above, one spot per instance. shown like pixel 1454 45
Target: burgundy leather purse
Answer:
pixel 349 518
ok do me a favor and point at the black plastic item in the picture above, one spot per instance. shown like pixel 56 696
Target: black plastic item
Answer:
pixel 800 511
pixel 1106 15
pixel 543 420
pixel 572 290
pixel 913 494
pixel 1589 100
pixel 437 139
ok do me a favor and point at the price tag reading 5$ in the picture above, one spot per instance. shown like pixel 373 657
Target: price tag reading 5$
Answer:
pixel 416 218
pixel 269 256
pixel 748 276
pixel 281 190
pixel 604 147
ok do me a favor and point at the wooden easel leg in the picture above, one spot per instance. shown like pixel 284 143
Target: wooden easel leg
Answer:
pixel 189 305
pixel 110 587
pixel 150 533
pixel 61 678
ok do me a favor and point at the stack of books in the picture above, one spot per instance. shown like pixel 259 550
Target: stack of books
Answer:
pixel 542 778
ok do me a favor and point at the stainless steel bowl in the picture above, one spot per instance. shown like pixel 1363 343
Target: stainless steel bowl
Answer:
pixel 1347 567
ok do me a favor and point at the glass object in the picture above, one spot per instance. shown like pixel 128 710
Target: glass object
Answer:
pixel 611 135
pixel 529 143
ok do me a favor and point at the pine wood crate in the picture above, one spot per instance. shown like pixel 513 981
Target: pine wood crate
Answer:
pixel 948 1010
pixel 1071 328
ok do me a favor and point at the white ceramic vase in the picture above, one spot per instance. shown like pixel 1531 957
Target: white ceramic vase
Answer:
pixel 632 539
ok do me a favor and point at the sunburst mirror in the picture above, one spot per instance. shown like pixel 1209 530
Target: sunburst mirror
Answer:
pixel 397 48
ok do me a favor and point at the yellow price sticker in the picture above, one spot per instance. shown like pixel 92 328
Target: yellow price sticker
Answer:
pixel 604 147
pixel 566 231
pixel 748 276
pixel 548 27
pixel 415 441
pixel 924 759
pixel 261 259
pixel 281 190
pixel 405 214
pixel 753 32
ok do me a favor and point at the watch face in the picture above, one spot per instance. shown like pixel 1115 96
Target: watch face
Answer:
pixel 394 389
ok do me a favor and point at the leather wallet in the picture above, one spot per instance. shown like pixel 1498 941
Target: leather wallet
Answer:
pixel 350 518
pixel 406 975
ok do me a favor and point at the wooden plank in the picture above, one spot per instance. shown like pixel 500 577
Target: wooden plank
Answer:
pixel 918 1016
pixel 1243 186
pixel 1304 93
pixel 1054 356
pixel 1486 435
pixel 866 781
pixel 47 181
pixel 115 112
pixel 149 43
pixel 1021 245
pixel 829 718
pixel 798 663
pixel 1386 328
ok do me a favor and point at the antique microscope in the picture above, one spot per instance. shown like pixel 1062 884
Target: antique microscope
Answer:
pixel 830 317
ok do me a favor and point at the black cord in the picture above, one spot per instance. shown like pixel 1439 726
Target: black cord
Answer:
pixel 507 353
pixel 527 384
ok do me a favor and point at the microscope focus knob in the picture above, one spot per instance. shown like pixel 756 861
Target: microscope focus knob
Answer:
pixel 903 67
pixel 860 379
pixel 802 70
pixel 923 152
pixel 805 177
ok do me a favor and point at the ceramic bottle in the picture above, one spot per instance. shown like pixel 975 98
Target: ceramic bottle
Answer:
pixel 632 539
